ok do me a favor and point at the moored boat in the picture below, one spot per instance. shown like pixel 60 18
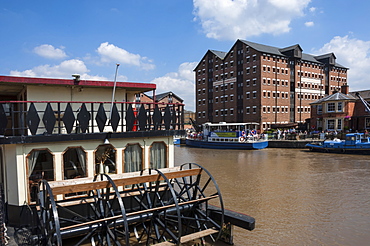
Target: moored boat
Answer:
pixel 228 136
pixel 354 142
pixel 99 172
pixel 176 140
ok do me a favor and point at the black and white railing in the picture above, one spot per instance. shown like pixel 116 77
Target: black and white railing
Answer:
pixel 26 118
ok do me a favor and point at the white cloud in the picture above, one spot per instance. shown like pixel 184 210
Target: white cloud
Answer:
pixel 64 70
pixel 49 51
pixel 233 19
pixel 309 24
pixel 181 83
pixel 111 53
pixel 312 9
pixel 354 54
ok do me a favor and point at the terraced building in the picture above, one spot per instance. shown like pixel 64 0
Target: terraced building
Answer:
pixel 259 83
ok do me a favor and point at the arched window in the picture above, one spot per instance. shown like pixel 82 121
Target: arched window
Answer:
pixel 74 160
pixel 40 166
pixel 106 155
pixel 133 158
pixel 158 155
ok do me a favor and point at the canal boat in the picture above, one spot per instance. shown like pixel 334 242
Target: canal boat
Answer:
pixel 228 136
pixel 354 142
pixel 75 164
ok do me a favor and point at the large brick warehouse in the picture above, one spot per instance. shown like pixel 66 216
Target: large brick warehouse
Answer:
pixel 264 84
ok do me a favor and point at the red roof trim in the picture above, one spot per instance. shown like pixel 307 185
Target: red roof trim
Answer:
pixel 90 83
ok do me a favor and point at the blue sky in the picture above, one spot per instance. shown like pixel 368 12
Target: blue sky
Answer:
pixel 161 41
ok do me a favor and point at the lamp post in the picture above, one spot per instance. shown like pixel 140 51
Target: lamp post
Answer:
pixel 300 91
pixel 223 89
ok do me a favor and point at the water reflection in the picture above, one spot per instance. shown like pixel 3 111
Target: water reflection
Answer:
pixel 297 197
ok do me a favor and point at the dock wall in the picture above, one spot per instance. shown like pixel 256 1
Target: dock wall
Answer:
pixel 298 144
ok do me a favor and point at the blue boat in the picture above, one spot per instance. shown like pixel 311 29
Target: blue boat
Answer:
pixel 354 142
pixel 227 136
pixel 176 140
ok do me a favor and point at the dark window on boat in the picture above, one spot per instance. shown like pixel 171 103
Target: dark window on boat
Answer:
pixel 40 166
pixel 133 158
pixel 74 160
pixel 105 159
pixel 158 155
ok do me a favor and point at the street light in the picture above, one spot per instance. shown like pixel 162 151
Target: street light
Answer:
pixel 223 88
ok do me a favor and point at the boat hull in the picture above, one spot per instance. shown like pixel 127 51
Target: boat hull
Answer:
pixel 339 148
pixel 226 145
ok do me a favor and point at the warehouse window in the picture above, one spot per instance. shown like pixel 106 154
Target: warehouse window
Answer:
pixel 331 107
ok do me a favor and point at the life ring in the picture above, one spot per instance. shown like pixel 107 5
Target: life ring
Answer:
pixel 241 139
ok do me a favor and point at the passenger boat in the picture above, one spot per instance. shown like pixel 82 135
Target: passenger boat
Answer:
pixel 228 136
pixel 101 171
pixel 354 142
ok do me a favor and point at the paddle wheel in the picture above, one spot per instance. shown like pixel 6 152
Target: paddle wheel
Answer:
pixel 152 207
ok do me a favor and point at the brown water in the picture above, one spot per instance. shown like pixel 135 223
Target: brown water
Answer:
pixel 297 197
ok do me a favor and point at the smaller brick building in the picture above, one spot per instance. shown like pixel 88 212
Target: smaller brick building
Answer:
pixel 341 111
pixel 162 99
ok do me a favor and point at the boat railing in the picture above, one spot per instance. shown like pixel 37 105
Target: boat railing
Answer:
pixel 27 118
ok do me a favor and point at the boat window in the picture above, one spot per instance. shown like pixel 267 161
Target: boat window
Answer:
pixel 158 155
pixel 74 160
pixel 40 166
pixel 133 158
pixel 105 159
pixel 350 138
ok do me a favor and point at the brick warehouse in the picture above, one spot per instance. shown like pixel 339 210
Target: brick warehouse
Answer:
pixel 264 84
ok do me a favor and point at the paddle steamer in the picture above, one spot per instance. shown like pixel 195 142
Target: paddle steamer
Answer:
pixel 74 163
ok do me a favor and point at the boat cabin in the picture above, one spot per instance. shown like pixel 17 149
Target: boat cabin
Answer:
pixel 228 132
pixel 60 129
pixel 356 138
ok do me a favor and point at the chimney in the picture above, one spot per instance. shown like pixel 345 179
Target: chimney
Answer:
pixel 344 89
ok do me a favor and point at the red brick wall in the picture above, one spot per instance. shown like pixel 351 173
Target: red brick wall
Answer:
pixel 268 70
